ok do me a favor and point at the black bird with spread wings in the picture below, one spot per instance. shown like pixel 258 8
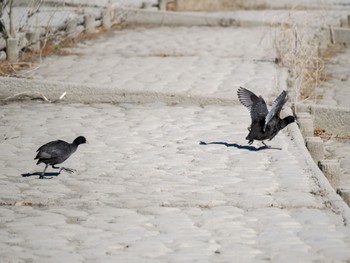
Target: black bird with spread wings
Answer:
pixel 57 152
pixel 265 124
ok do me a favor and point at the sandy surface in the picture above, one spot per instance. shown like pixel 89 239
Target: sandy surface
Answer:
pixel 145 190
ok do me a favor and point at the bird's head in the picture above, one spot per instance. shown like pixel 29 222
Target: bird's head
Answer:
pixel 80 140
pixel 287 120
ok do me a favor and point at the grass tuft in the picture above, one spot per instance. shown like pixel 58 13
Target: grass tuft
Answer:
pixel 301 51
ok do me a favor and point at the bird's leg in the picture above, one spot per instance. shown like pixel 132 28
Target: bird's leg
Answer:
pixel 267 146
pixel 55 167
pixel 69 170
pixel 43 173
pixel 250 142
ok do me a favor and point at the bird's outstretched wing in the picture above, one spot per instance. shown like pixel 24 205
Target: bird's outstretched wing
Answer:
pixel 276 107
pixel 256 105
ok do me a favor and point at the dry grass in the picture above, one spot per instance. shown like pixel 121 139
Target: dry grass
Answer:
pixel 303 50
pixel 28 57
pixel 300 54
pixel 8 69
pixel 300 51
pixel 61 48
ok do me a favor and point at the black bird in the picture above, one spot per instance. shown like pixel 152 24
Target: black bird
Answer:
pixel 57 152
pixel 265 124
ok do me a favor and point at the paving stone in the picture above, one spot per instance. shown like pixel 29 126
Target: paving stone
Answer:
pixel 146 190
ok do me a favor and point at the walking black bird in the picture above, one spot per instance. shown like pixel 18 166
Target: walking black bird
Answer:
pixel 57 152
pixel 265 124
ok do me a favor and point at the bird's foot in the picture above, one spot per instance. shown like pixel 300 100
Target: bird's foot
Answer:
pixel 270 147
pixel 250 142
pixel 42 175
pixel 68 170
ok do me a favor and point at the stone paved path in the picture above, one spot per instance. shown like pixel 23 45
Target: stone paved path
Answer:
pixel 145 190
pixel 197 61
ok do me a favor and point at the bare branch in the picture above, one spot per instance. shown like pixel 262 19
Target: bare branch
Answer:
pixel 12 27
pixel 31 95
pixel 34 9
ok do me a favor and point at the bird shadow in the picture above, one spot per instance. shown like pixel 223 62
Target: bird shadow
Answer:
pixel 46 176
pixel 243 147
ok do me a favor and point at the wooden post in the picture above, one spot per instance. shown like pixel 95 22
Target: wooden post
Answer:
pixel 12 49
pixel 89 23
pixel 162 4
pixel 106 18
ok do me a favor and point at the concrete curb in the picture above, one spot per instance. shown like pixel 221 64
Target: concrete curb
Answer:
pixel 326 191
pixel 335 120
pixel 340 35
pixel 13 89
pixel 169 18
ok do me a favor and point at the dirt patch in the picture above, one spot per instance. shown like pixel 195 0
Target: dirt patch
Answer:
pixel 22 203
pixel 324 134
